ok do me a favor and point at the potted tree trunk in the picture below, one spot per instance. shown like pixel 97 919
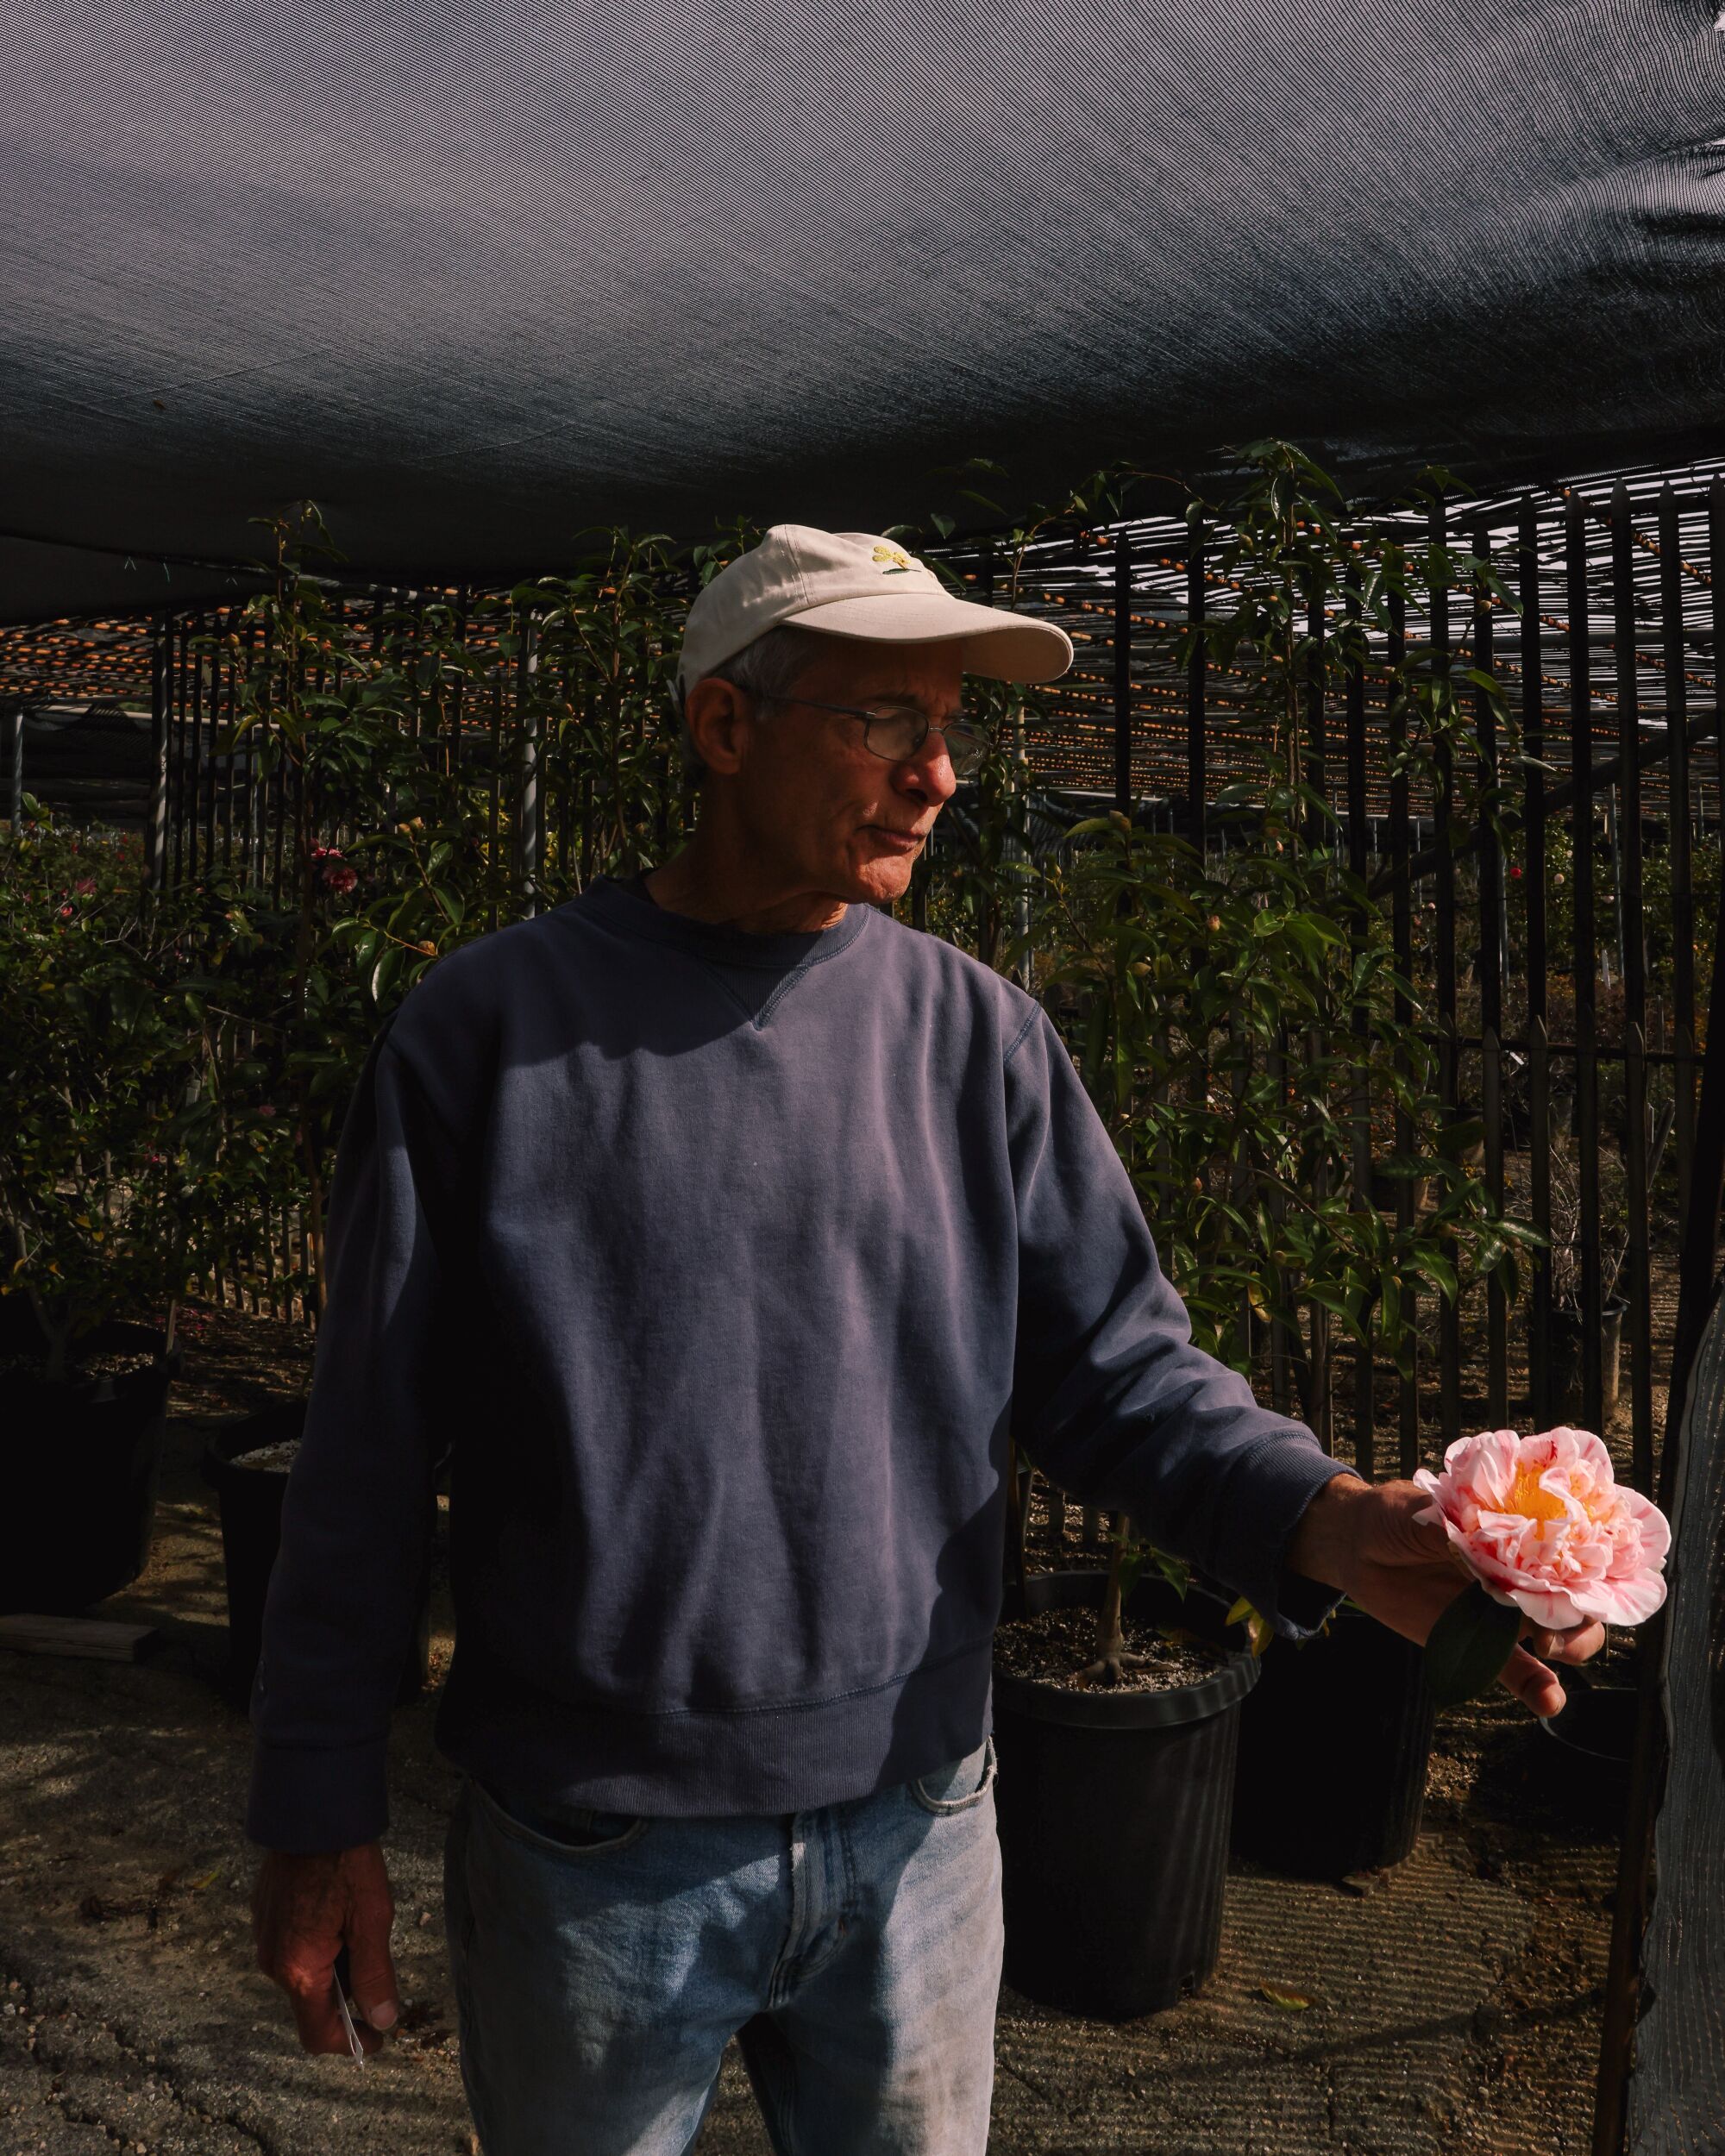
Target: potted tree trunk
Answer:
pixel 1566 1334
pixel 1116 1726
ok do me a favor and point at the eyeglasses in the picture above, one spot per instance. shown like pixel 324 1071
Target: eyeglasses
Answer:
pixel 897 731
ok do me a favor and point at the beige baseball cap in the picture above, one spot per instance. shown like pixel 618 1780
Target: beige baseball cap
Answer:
pixel 856 584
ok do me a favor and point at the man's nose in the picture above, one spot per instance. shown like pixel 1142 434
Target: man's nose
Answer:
pixel 930 771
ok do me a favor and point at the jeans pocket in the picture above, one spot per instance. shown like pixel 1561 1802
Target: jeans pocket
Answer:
pixel 959 1785
pixel 575 1832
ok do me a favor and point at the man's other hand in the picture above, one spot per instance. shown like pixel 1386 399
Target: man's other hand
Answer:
pixel 1364 1538
pixel 304 1909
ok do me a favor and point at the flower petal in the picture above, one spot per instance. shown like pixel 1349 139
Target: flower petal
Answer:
pixel 1552 1612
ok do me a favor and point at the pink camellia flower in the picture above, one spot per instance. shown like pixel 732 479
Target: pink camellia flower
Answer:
pixel 1544 1525
pixel 339 880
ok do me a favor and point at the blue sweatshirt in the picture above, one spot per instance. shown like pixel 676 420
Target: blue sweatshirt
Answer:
pixel 723 1268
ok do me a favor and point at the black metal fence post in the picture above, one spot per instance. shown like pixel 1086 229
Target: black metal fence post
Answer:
pixel 1674 652
pixel 527 802
pixel 1531 643
pixel 1123 674
pixel 1490 870
pixel 1444 877
pixel 1365 1387
pixel 1585 956
pixel 15 764
pixel 1401 933
pixel 209 707
pixel 155 815
pixel 1196 680
pixel 1633 1285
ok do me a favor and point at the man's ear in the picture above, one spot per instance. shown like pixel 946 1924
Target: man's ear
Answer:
pixel 718 716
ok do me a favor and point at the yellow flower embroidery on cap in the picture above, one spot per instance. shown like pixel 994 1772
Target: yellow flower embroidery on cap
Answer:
pixel 899 560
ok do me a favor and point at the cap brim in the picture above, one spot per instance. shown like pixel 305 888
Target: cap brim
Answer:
pixel 999 645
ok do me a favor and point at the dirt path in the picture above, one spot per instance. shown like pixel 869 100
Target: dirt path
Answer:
pixel 1455 2007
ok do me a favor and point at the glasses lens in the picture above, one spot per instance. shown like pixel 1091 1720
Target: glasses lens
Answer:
pixel 898 730
pixel 966 748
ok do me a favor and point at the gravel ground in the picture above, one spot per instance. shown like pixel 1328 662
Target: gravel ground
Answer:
pixel 1453 2005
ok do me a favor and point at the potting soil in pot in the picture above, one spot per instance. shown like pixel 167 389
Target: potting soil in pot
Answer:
pixel 1055 1647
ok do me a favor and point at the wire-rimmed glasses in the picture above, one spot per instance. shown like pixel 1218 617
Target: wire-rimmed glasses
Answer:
pixel 896 731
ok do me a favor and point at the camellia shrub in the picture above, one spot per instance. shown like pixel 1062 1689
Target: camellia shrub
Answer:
pixel 401 734
pixel 113 1179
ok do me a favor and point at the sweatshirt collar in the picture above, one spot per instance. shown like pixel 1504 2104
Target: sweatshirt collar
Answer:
pixel 715 942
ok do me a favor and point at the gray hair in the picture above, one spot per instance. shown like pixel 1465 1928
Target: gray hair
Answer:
pixel 771 666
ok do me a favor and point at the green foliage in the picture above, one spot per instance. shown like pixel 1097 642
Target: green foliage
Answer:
pixel 1659 917
pixel 979 888
pixel 114 1178
pixel 608 638
pixel 1318 588
pixel 1234 1021
pixel 1238 1020
pixel 396 731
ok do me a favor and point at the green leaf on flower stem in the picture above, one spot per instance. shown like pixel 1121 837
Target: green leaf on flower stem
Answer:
pixel 1469 1646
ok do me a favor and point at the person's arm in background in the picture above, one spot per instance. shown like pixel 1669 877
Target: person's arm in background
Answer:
pixel 1115 1403
pixel 355 1544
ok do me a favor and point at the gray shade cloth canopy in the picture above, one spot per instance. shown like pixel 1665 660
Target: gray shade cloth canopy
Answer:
pixel 475 276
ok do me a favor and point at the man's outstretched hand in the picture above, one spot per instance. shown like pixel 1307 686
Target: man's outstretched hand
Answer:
pixel 1364 1538
pixel 304 1909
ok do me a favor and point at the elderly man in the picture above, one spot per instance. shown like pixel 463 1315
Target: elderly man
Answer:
pixel 723 1232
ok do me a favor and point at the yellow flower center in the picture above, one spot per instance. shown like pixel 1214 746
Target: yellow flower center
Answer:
pixel 1527 1498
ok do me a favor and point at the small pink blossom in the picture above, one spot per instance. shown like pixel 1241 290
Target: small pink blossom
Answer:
pixel 339 879
pixel 1544 1524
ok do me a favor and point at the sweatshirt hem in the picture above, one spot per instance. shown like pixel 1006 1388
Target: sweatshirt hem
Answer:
pixel 511 1735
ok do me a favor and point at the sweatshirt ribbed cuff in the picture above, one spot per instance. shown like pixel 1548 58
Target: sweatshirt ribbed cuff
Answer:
pixel 1272 1484
pixel 305 1801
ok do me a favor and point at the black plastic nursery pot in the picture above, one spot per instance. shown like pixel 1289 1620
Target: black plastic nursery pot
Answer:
pixel 1595 1729
pixel 1334 1745
pixel 1113 1823
pixel 251 1501
pixel 1563 1354
pixel 83 1464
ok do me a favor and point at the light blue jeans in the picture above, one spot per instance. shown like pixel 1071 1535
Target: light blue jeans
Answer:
pixel 603 1962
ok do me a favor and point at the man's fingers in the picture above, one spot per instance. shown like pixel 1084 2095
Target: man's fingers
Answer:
pixel 1579 1643
pixel 315 2016
pixel 373 1984
pixel 1533 1683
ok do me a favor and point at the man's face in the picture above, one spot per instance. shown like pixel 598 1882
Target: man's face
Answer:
pixel 817 803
